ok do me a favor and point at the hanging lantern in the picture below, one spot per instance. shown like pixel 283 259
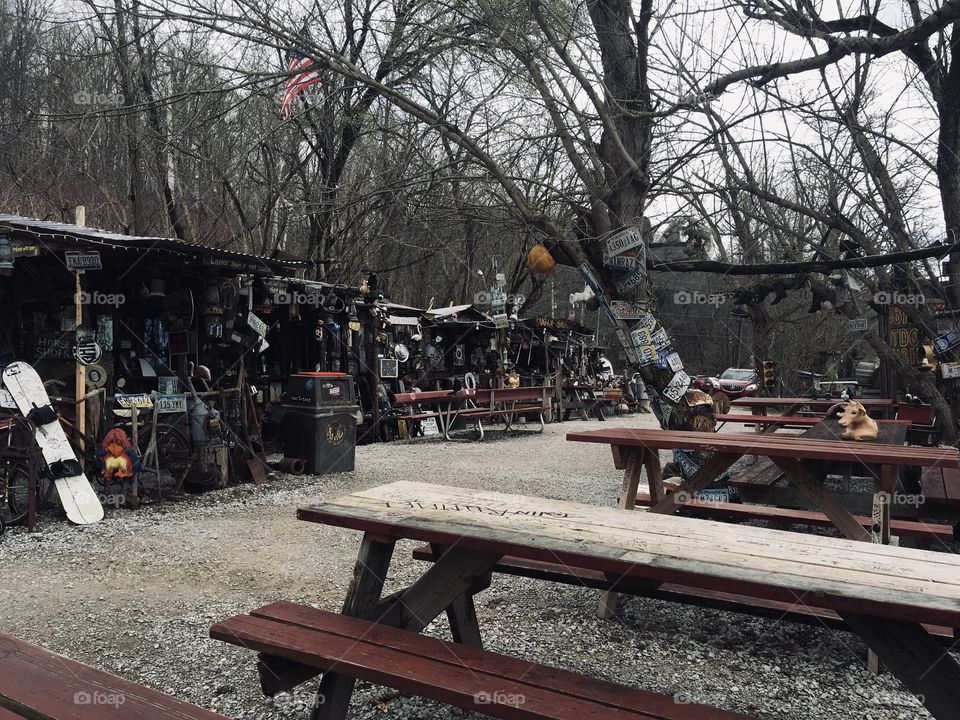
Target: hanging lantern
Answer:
pixel 540 261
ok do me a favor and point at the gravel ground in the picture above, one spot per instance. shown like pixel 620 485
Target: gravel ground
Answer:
pixel 136 594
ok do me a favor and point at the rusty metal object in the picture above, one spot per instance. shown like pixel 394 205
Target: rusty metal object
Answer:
pixel 292 466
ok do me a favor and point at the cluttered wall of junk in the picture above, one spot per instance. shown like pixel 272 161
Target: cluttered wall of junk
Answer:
pixel 197 363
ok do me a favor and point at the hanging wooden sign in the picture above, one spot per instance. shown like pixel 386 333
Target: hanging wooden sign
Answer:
pixel 624 310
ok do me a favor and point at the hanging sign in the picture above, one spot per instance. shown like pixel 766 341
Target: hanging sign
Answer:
pixel 950 370
pixel 674 362
pixel 134 400
pixel 620 262
pixel 87 351
pixel 660 339
pixel 857 325
pixel 677 387
pixel 629 310
pixel 947 342
pixel 167 404
pixel 631 280
pixel 79 260
pixel 256 324
pixel 623 240
pixel 646 355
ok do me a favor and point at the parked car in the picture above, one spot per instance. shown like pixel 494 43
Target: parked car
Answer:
pixel 735 383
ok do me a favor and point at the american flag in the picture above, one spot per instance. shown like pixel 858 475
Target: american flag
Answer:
pixel 304 78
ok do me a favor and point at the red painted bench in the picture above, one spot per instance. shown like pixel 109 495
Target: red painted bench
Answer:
pixel 36 683
pixel 494 404
pixel 466 677
pixel 774 421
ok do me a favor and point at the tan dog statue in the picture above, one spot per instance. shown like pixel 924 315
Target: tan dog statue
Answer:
pixel 856 423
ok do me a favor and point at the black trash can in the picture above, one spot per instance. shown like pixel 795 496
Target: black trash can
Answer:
pixel 326 437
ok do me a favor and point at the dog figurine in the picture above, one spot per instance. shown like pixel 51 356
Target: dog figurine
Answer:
pixel 856 424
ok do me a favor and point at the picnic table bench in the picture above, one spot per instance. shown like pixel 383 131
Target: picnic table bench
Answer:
pixel 882 593
pixel 792 406
pixel 768 422
pixel 502 404
pixel 37 683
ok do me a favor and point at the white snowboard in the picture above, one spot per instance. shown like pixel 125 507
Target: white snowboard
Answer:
pixel 79 500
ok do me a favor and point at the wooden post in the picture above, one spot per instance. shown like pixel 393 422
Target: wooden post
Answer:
pixel 80 218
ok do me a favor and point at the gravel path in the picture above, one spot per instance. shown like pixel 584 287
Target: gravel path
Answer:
pixel 136 594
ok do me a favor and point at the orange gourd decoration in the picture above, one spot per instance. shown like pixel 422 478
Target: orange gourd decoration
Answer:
pixel 540 261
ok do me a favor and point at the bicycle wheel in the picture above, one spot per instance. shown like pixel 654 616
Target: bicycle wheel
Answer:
pixel 173 455
pixel 14 491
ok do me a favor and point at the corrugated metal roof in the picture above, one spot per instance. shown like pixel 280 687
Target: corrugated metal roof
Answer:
pixel 106 238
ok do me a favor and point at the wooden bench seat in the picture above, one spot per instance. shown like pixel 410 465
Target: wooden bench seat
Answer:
pixel 763 472
pixel 787 421
pixel 459 675
pixel 37 683
pixel 673 592
pixel 713 510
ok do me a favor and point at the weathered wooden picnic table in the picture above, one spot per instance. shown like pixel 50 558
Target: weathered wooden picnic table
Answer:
pixel 882 593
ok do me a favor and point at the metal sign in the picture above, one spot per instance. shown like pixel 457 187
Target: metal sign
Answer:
pixel 620 262
pixel 950 370
pixel 677 387
pixel 857 325
pixel 138 400
pixel 623 240
pixel 167 404
pixel 660 339
pixel 80 260
pixel 674 362
pixel 87 352
pixel 6 400
pixel 257 325
pixel 947 342
pixel 631 280
pixel 630 310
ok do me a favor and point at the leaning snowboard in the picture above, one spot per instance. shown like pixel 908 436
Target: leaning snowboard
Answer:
pixel 77 495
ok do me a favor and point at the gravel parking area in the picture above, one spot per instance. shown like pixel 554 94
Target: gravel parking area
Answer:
pixel 136 594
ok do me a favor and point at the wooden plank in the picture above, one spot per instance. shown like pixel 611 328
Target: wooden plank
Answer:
pixel 451 673
pixel 37 683
pixel 772 446
pixel 763 472
pixel 794 610
pixel 896 582
pixel 741 511
pixel 800 420
pixel 828 502
pixel 765 402
pixel 916 659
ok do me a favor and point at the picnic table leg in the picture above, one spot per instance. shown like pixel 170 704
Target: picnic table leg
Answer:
pixel 363 596
pixel 707 473
pixel 633 459
pixel 462 613
pixel 758 411
pixel 916 658
pixel 826 501
pixel 884 485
